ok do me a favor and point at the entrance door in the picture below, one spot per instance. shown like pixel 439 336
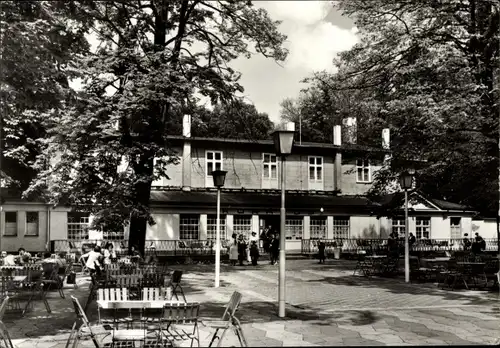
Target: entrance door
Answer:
pixel 269 220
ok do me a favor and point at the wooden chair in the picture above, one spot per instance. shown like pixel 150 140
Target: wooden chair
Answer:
pixel 179 314
pixel 152 281
pixel 4 333
pixel 51 278
pixel 228 321
pixel 152 294
pixel 175 282
pixel 113 294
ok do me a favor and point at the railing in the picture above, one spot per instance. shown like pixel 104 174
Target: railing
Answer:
pixel 159 247
pixel 310 246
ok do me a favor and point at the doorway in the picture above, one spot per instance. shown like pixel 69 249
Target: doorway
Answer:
pixel 269 220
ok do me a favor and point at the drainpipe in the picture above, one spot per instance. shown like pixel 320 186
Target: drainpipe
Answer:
pixel 47 247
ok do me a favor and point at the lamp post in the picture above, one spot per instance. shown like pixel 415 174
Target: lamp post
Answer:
pixel 283 143
pixel 406 182
pixel 219 177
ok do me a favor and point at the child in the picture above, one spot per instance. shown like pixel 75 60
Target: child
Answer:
pixel 254 252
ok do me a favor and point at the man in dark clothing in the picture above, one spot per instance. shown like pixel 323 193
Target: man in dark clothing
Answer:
pixel 467 242
pixel 275 248
pixel 411 240
pixel 321 251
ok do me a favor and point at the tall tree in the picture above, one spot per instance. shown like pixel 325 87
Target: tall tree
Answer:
pixel 39 43
pixel 152 58
pixel 236 120
pixel 427 69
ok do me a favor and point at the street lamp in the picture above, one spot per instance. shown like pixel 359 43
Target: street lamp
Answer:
pixel 219 177
pixel 406 183
pixel 283 143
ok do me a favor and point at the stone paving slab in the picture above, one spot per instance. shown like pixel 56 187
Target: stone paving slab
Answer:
pixel 465 318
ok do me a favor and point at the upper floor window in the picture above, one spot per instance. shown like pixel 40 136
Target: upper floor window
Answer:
pixel 269 166
pixel 363 170
pixel 32 223
pixel 189 226
pixel 10 223
pixel 213 161
pixel 78 225
pixel 423 228
pixel 315 168
pixel 455 228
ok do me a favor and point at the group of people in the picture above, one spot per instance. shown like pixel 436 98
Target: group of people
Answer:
pixel 476 246
pixel 21 258
pixel 241 250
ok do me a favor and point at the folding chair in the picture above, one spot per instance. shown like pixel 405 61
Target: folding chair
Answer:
pixel 51 278
pixel 175 282
pixel 181 314
pixel 83 329
pixel 228 321
pixel 4 333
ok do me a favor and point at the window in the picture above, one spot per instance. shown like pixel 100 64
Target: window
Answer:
pixel 315 169
pixel 242 224
pixel 189 227
pixel 294 227
pixel 214 161
pixel 423 227
pixel 341 227
pixel 398 225
pixel 212 227
pixel 10 223
pixel 78 226
pixel 32 223
pixel 363 171
pixel 269 166
pixel 455 228
pixel 318 227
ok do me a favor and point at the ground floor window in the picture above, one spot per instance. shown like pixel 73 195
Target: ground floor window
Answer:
pixel 242 224
pixel 32 223
pixel 318 227
pixel 78 226
pixel 189 226
pixel 398 225
pixel 294 227
pixel 212 227
pixel 423 227
pixel 455 228
pixel 341 227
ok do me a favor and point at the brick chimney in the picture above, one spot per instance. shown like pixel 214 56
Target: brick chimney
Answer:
pixel 186 153
pixel 350 134
pixel 337 172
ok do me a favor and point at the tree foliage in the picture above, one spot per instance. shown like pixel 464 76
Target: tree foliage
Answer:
pixel 426 69
pixel 153 58
pixel 37 59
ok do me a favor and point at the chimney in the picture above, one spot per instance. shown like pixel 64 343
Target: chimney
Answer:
pixel 186 126
pixel 350 130
pixel 337 135
pixel 186 153
pixel 386 139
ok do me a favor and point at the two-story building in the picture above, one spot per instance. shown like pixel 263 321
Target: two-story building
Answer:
pixel 326 186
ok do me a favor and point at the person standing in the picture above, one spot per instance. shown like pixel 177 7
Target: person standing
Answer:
pixel 254 252
pixel 466 241
pixel 242 248
pixel 109 254
pixel 275 248
pixel 411 240
pixel 92 260
pixel 321 251
pixel 233 250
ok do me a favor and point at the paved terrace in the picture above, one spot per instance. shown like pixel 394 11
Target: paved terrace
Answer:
pixel 327 306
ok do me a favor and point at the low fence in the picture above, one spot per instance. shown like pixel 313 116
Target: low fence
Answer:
pixel 310 246
pixel 183 247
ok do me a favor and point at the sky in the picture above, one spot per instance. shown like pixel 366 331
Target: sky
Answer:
pixel 316 33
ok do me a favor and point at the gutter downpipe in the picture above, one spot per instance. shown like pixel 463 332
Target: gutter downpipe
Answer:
pixel 47 246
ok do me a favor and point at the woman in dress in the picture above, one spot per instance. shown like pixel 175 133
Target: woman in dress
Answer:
pixel 242 249
pixel 233 250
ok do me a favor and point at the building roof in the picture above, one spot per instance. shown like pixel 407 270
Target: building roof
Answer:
pixel 252 200
pixel 394 201
pixel 270 143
